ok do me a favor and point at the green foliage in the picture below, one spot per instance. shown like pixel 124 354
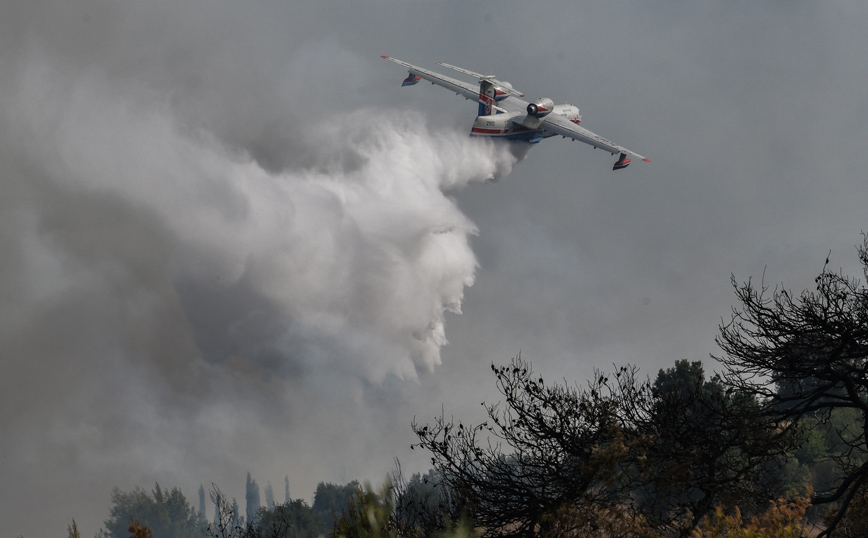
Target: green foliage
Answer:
pixel 166 512
pixel 366 515
pixel 708 446
pixel 680 381
pixel 295 515
pixel 423 489
pixel 824 450
pixel 812 445
pixel 373 515
pixel 422 504
pixel 331 498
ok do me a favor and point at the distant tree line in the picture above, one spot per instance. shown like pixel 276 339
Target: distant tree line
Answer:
pixel 168 514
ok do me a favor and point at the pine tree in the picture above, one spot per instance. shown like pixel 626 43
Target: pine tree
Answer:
pixel 269 496
pixel 252 498
pixel 165 511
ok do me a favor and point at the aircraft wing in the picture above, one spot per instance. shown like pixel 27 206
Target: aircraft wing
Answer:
pixel 564 127
pixel 469 91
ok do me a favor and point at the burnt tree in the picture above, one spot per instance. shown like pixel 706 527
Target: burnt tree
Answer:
pixel 807 356
pixel 549 450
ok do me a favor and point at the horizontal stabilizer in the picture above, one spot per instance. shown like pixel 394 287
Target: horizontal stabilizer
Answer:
pixel 504 87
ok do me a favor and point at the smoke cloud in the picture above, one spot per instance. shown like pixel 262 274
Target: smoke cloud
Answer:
pixel 358 253
pixel 173 297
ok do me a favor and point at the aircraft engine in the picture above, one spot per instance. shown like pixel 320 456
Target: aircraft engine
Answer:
pixel 540 107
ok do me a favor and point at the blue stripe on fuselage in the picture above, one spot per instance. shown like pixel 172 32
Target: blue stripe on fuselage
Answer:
pixel 528 136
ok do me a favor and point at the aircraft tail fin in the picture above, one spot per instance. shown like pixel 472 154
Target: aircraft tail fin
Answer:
pixel 487 94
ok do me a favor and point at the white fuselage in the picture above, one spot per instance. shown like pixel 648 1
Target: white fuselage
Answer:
pixel 519 125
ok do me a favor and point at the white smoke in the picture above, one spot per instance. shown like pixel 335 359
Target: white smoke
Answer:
pixel 171 304
pixel 353 257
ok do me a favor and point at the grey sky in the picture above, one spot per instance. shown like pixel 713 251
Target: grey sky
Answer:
pixel 229 236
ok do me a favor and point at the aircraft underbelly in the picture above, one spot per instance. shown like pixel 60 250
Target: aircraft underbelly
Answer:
pixel 503 126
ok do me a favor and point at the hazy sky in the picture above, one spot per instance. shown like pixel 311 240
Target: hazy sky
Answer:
pixel 232 242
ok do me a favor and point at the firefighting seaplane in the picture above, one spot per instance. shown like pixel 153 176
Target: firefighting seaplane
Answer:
pixel 503 114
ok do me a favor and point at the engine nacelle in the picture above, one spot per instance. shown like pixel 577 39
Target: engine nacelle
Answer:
pixel 540 107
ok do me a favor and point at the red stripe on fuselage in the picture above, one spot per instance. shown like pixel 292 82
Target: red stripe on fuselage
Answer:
pixel 479 130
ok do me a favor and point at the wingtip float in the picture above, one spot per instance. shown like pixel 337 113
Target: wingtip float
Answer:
pixel 503 114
